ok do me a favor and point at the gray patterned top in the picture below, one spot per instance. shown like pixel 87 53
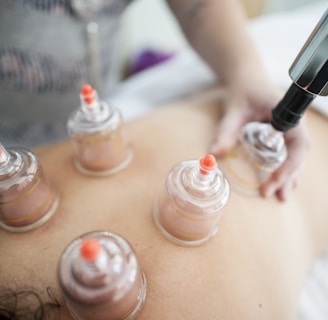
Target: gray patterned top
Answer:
pixel 44 62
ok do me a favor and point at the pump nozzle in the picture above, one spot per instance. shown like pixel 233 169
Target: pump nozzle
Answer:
pixel 207 163
pixel 309 73
pixel 88 93
pixel 90 250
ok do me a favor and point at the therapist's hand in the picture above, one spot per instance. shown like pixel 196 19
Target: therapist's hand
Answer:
pixel 252 98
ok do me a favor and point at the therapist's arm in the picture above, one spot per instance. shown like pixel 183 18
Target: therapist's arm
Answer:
pixel 217 30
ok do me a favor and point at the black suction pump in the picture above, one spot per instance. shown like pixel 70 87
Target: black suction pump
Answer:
pixel 309 73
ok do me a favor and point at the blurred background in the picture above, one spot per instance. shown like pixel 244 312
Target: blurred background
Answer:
pixel 138 35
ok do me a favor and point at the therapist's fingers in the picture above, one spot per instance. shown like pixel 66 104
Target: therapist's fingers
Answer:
pixel 285 179
pixel 283 193
pixel 227 131
pixel 242 103
pixel 282 182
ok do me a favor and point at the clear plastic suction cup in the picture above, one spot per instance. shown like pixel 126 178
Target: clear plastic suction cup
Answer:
pixel 259 151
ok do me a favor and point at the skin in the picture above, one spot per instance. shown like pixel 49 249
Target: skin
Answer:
pixel 217 30
pixel 254 268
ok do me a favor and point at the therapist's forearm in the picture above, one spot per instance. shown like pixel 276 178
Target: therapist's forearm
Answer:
pixel 217 30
